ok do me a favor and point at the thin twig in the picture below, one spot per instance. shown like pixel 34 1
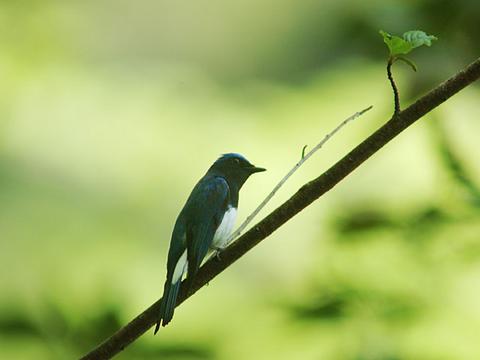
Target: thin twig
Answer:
pixel 304 158
pixel 396 96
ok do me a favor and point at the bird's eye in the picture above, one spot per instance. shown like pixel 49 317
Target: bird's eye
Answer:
pixel 237 161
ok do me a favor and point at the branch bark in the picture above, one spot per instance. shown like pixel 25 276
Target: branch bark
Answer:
pixel 307 194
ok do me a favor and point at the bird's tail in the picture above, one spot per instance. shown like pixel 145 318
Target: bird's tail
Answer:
pixel 169 300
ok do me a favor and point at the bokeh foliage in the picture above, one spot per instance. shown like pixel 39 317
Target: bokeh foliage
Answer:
pixel 111 110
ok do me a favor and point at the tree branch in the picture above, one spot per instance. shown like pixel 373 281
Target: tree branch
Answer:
pixel 307 194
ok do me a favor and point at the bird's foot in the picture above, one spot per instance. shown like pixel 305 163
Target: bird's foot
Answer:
pixel 217 252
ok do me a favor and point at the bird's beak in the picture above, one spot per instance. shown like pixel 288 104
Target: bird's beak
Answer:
pixel 255 169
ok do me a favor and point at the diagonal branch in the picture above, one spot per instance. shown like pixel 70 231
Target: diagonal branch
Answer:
pixel 307 194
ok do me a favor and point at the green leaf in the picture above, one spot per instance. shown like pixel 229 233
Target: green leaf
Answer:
pixel 408 62
pixel 411 40
pixel 396 45
pixel 418 38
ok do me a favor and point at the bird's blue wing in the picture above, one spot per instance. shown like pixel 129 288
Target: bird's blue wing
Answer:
pixel 205 209
pixel 178 245
pixel 193 231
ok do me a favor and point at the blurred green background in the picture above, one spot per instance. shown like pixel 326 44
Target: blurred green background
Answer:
pixel 110 111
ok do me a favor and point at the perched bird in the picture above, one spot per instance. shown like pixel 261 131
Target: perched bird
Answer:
pixel 205 223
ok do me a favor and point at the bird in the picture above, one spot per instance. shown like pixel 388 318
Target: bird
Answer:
pixel 205 223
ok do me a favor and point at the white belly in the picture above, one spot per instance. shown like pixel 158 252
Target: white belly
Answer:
pixel 225 228
pixel 219 241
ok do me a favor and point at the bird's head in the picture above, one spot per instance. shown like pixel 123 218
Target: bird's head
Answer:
pixel 234 168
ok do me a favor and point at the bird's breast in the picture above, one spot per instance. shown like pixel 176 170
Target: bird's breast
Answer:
pixel 225 228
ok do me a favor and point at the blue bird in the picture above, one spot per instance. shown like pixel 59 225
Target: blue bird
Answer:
pixel 205 223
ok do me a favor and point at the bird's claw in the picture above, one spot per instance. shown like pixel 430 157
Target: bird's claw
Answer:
pixel 218 251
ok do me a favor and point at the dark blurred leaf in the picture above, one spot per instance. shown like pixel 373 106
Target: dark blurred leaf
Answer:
pixel 363 220
pixel 325 305
pixel 16 323
pixel 96 328
pixel 432 215
pixel 427 219
pixel 456 167
pixel 326 308
pixel 336 303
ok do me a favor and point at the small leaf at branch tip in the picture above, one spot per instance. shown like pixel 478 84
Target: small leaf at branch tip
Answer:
pixel 418 38
pixel 396 45
pixel 409 41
